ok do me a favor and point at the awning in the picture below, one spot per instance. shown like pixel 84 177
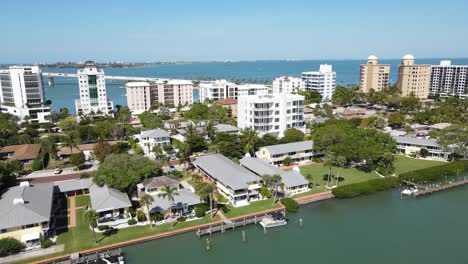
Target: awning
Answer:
pixel 30 236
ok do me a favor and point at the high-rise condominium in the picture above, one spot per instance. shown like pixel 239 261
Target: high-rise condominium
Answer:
pixel 287 84
pixel 374 76
pixel 22 93
pixel 449 80
pixel 322 81
pixel 413 79
pixel 93 96
pixel 222 89
pixel 271 113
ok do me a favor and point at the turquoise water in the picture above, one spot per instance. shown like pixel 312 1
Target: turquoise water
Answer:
pixel 375 229
pixel 65 90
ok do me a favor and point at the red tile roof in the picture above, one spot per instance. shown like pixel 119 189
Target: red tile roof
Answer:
pixel 228 101
pixel 22 152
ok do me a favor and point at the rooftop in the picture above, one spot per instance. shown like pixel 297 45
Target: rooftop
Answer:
pixel 22 152
pixel 228 101
pixel 417 141
pixel 290 147
pixel 73 185
pixel 225 128
pixel 155 182
pixel 105 198
pixel 154 133
pixel 226 171
pixel 26 205
pixel 184 197
pixel 136 84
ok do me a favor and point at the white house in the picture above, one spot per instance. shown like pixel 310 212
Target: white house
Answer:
pixel 271 113
pixel 413 146
pixel 239 185
pixel 149 138
pixel 322 81
pixel 297 151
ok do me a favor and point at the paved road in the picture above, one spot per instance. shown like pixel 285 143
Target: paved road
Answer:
pixel 66 171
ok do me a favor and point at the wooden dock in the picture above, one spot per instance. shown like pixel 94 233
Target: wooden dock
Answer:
pixel 238 222
pixel 442 187
pixel 417 185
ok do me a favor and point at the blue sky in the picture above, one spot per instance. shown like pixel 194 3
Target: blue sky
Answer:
pixel 49 31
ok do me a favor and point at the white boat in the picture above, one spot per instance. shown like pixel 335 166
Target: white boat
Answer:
pixel 410 191
pixel 273 220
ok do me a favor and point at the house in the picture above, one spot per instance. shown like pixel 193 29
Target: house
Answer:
pixel 86 149
pixel 413 146
pixel 150 138
pixel 228 129
pixel 155 185
pixel 112 205
pixel 297 151
pixel 73 187
pixel 25 212
pixel 293 181
pixel 25 153
pixel 239 185
pixel 230 104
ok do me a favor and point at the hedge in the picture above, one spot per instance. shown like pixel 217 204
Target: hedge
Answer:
pixel 10 246
pixel 436 173
pixel 201 210
pixel 131 221
pixel 141 217
pixel 103 227
pixel 365 188
pixel 290 204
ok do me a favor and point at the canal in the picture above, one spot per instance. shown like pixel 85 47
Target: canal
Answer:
pixel 374 229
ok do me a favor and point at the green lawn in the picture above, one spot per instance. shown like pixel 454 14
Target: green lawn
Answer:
pixel 252 208
pixel 406 164
pixel 82 200
pixel 81 237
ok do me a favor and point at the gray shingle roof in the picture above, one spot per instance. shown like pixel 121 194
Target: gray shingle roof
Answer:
pixel 290 147
pixel 105 198
pixel 262 167
pixel 36 208
pixel 73 185
pixel 184 197
pixel 417 141
pixel 154 133
pixel 224 128
pixel 226 171
pixel 155 182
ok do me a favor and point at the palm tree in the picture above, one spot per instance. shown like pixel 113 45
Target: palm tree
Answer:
pixel 328 161
pixel 210 131
pixel 168 193
pixel 48 145
pixel 272 182
pixel 250 137
pixel 71 141
pixel 90 217
pixel 146 200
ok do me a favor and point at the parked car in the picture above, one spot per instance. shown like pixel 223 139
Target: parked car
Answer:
pixel 58 171
pixel 172 168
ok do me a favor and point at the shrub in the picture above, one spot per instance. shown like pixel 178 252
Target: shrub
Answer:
pixel 103 227
pixel 141 216
pixel 157 217
pixel 181 219
pixel 264 192
pixel 131 222
pixel 85 175
pixel 201 210
pixel 437 172
pixel 365 188
pixel 46 243
pixel 132 212
pixel 10 246
pixel 424 152
pixel 290 204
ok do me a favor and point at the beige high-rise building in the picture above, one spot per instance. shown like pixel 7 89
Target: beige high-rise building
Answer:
pixel 374 76
pixel 414 79
pixel 138 97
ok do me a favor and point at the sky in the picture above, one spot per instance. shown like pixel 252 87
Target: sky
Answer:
pixel 34 31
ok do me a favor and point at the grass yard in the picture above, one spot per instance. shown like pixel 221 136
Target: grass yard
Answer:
pixel 82 200
pixel 252 208
pixel 405 164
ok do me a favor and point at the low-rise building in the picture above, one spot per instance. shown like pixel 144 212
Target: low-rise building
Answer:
pixel 230 104
pixel 155 185
pixel 293 181
pixel 298 152
pixel 234 182
pixel 25 212
pixel 184 202
pixel 226 128
pixel 25 153
pixel 149 138
pixel 111 204
pixel 413 146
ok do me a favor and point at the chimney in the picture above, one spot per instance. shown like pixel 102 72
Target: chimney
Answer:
pixel 18 201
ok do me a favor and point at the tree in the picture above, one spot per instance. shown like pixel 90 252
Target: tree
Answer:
pixel 272 183
pixel 123 115
pixel 146 200
pixel 287 161
pixel 268 140
pixel 67 123
pixel 455 137
pixel 210 131
pixel 71 140
pixel 423 152
pixel 7 173
pixel 49 145
pixel 123 171
pixel 206 191
pixel 150 120
pixel 343 96
pixel 292 135
pixel 184 153
pixel 194 140
pixel 311 97
pixel 77 159
pixel 396 119
pixel 101 150
pixel 373 122
pixel 228 145
pixel 249 138
pixel 90 217
pixel 10 246
pixel 168 193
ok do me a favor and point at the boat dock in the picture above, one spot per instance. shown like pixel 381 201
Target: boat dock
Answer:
pixel 90 257
pixel 410 183
pixel 436 188
pixel 237 222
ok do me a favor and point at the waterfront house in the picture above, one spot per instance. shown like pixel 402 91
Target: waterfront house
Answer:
pixel 293 181
pixel 149 138
pixel 155 185
pixel 184 202
pixel 413 146
pixel 25 153
pixel 112 205
pixel 25 212
pixel 297 151
pixel 239 185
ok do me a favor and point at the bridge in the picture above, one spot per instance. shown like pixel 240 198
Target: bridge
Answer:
pixel 52 75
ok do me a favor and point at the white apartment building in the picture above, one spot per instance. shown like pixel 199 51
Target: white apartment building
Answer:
pixel 22 93
pixel 172 92
pixel 93 96
pixel 449 80
pixel 138 97
pixel 271 113
pixel 287 84
pixel 222 89
pixel 322 81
